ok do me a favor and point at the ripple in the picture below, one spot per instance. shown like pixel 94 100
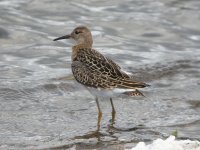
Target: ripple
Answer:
pixel 41 104
pixel 195 37
pixel 3 33
pixel 90 8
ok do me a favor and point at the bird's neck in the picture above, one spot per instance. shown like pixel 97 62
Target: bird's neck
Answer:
pixel 82 45
pixel 76 48
pixel 85 41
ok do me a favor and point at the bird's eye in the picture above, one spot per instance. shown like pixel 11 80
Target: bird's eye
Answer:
pixel 76 32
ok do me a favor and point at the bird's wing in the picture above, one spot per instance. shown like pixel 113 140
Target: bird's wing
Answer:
pixel 101 71
pixel 99 63
pixel 125 75
pixel 113 63
pixel 94 79
pixel 84 76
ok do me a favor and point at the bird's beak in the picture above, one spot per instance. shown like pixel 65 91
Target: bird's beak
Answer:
pixel 63 37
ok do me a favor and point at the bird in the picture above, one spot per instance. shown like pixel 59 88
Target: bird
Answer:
pixel 98 73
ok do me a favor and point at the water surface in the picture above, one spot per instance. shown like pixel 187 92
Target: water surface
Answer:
pixel 157 41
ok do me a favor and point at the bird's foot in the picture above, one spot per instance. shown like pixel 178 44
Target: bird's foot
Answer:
pixel 112 128
pixel 92 134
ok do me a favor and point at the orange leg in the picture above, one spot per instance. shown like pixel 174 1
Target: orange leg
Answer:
pixel 113 111
pixel 99 114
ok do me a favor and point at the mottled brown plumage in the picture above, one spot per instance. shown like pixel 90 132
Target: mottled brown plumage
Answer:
pixel 94 70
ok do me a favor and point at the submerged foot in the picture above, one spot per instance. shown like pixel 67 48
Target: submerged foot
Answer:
pixel 112 128
pixel 92 134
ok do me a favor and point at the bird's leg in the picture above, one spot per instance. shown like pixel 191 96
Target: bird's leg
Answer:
pixel 99 114
pixel 95 133
pixel 113 111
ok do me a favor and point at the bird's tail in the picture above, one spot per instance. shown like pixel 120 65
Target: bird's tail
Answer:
pixel 129 84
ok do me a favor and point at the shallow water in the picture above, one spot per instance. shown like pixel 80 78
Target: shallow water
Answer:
pixel 158 41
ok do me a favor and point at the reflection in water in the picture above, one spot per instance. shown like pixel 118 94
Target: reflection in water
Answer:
pixel 40 104
pixel 3 33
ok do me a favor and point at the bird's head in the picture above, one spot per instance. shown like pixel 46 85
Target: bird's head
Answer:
pixel 80 34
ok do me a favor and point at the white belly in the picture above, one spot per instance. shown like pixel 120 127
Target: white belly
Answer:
pixel 107 93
